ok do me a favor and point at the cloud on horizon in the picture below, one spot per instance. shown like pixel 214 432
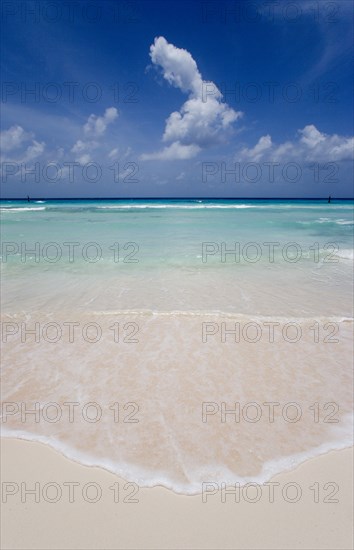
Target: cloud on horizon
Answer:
pixel 310 145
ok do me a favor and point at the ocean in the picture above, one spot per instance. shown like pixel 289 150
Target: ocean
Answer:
pixel 175 342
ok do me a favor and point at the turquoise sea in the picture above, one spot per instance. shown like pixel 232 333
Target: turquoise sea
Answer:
pixel 166 246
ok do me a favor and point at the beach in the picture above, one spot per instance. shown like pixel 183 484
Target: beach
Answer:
pixel 176 275
pixel 162 519
pixel 194 356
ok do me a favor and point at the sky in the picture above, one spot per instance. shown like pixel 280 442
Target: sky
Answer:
pixel 176 99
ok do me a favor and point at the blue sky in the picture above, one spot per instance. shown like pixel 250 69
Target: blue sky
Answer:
pixel 168 99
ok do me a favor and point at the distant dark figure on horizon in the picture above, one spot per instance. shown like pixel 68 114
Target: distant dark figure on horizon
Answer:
pixel 28 199
pixel 329 199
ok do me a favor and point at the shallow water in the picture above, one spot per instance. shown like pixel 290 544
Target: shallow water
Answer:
pixel 127 305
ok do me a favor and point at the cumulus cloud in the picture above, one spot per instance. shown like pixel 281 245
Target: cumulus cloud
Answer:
pixel 175 151
pixel 81 150
pixel 13 138
pixel 179 67
pixel 311 145
pixel 95 127
pixel 116 154
pixel 83 159
pixel 20 146
pixel 204 119
pixel 81 146
pixel 257 152
pixel 33 151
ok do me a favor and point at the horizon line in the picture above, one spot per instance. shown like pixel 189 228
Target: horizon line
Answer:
pixel 172 198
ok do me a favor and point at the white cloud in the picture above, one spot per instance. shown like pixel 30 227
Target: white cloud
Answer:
pixel 83 159
pixel 311 137
pixel 179 67
pixel 200 122
pixel 203 119
pixel 311 145
pixel 117 154
pixel 33 151
pixel 20 143
pixel 13 138
pixel 21 147
pixel 256 153
pixel 96 125
pixel 79 146
pixel 81 150
pixel 175 151
pixel 127 152
pixel 113 155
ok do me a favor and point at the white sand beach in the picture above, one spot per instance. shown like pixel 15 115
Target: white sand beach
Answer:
pixel 162 519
